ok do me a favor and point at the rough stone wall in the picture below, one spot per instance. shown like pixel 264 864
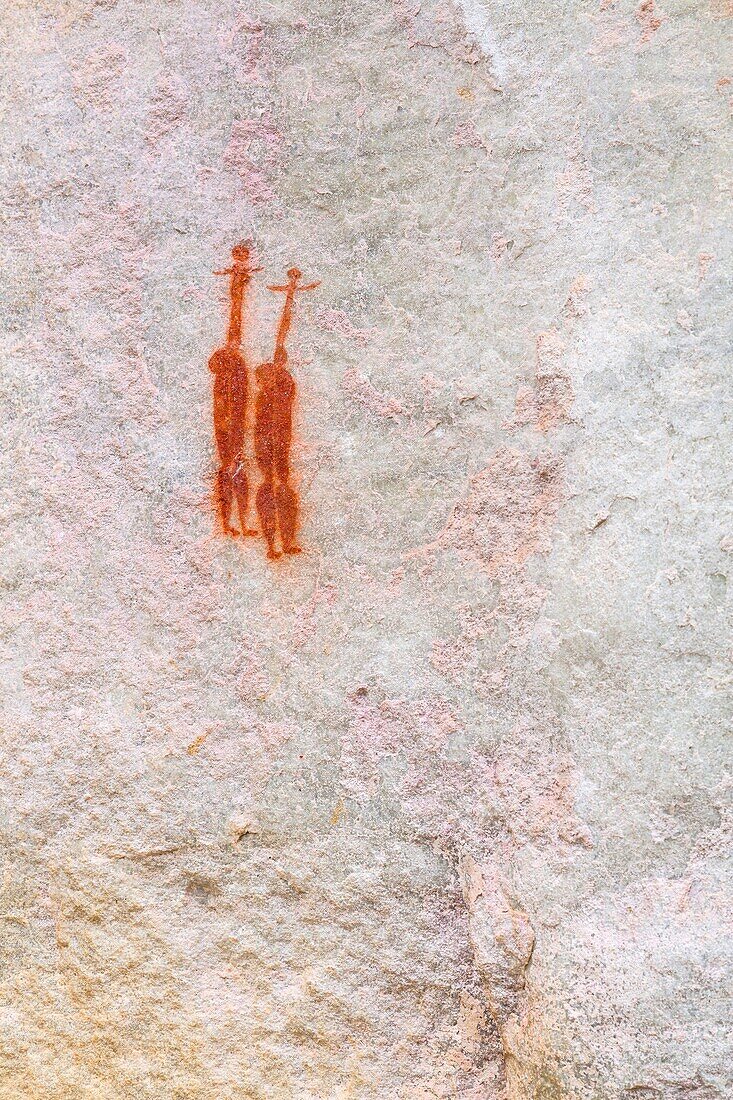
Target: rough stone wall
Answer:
pixel 439 808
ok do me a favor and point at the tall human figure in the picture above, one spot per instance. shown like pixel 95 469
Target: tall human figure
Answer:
pixel 277 500
pixel 230 400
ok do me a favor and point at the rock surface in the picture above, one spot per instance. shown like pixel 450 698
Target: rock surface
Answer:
pixel 439 808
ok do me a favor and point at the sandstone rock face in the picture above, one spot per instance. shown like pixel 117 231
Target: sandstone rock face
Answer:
pixel 440 807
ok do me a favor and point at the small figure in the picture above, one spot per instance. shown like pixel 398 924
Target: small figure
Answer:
pixel 290 290
pixel 230 401
pixel 277 501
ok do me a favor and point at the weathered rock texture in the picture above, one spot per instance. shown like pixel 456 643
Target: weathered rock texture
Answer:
pixel 439 808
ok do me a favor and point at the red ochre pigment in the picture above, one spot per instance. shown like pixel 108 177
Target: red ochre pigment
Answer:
pixel 276 499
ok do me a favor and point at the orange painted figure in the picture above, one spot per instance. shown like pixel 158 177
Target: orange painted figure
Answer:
pixel 230 401
pixel 277 501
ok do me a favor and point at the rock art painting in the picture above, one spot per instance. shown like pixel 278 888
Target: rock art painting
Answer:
pixel 271 427
pixel 366 550
pixel 231 386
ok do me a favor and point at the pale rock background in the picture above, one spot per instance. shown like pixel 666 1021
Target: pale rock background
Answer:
pixel 439 809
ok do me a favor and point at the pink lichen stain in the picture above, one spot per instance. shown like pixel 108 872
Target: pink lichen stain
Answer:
pixel 575 184
pixel 520 608
pixel 361 390
pixel 505 519
pixel 547 403
pixel 242 47
pixel 410 729
pixel 450 658
pixel 704 261
pixel 608 42
pixel 525 408
pixel 508 512
pixel 554 394
pixel 536 788
pixel 722 86
pixel 437 28
pixel 338 322
pixel 96 77
pixel 394 582
pixel 430 386
pixel 466 136
pixel 502 939
pixel 456 657
pixel 167 108
pixel 320 603
pixel 471 1021
pixel 250 682
pixel 576 303
pixel 516 616
pixel 648 20
pixel 253 153
pixel 492 684
pixel 499 246
pixel 621 35
pixel 254 54
pixel 195 294
pixel 104 264
pixel 407 14
pixel 255 744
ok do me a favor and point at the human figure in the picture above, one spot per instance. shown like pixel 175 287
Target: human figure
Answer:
pixel 230 401
pixel 277 501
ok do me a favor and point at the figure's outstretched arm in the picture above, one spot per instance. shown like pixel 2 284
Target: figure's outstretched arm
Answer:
pixel 234 271
pixel 310 286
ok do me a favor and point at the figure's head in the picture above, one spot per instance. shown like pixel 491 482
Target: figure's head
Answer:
pixel 294 273
pixel 281 357
pixel 226 360
pixel 240 252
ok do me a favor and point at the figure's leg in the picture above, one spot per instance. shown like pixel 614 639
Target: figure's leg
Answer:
pixel 268 515
pixel 224 495
pixel 222 431
pixel 241 491
pixel 287 514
